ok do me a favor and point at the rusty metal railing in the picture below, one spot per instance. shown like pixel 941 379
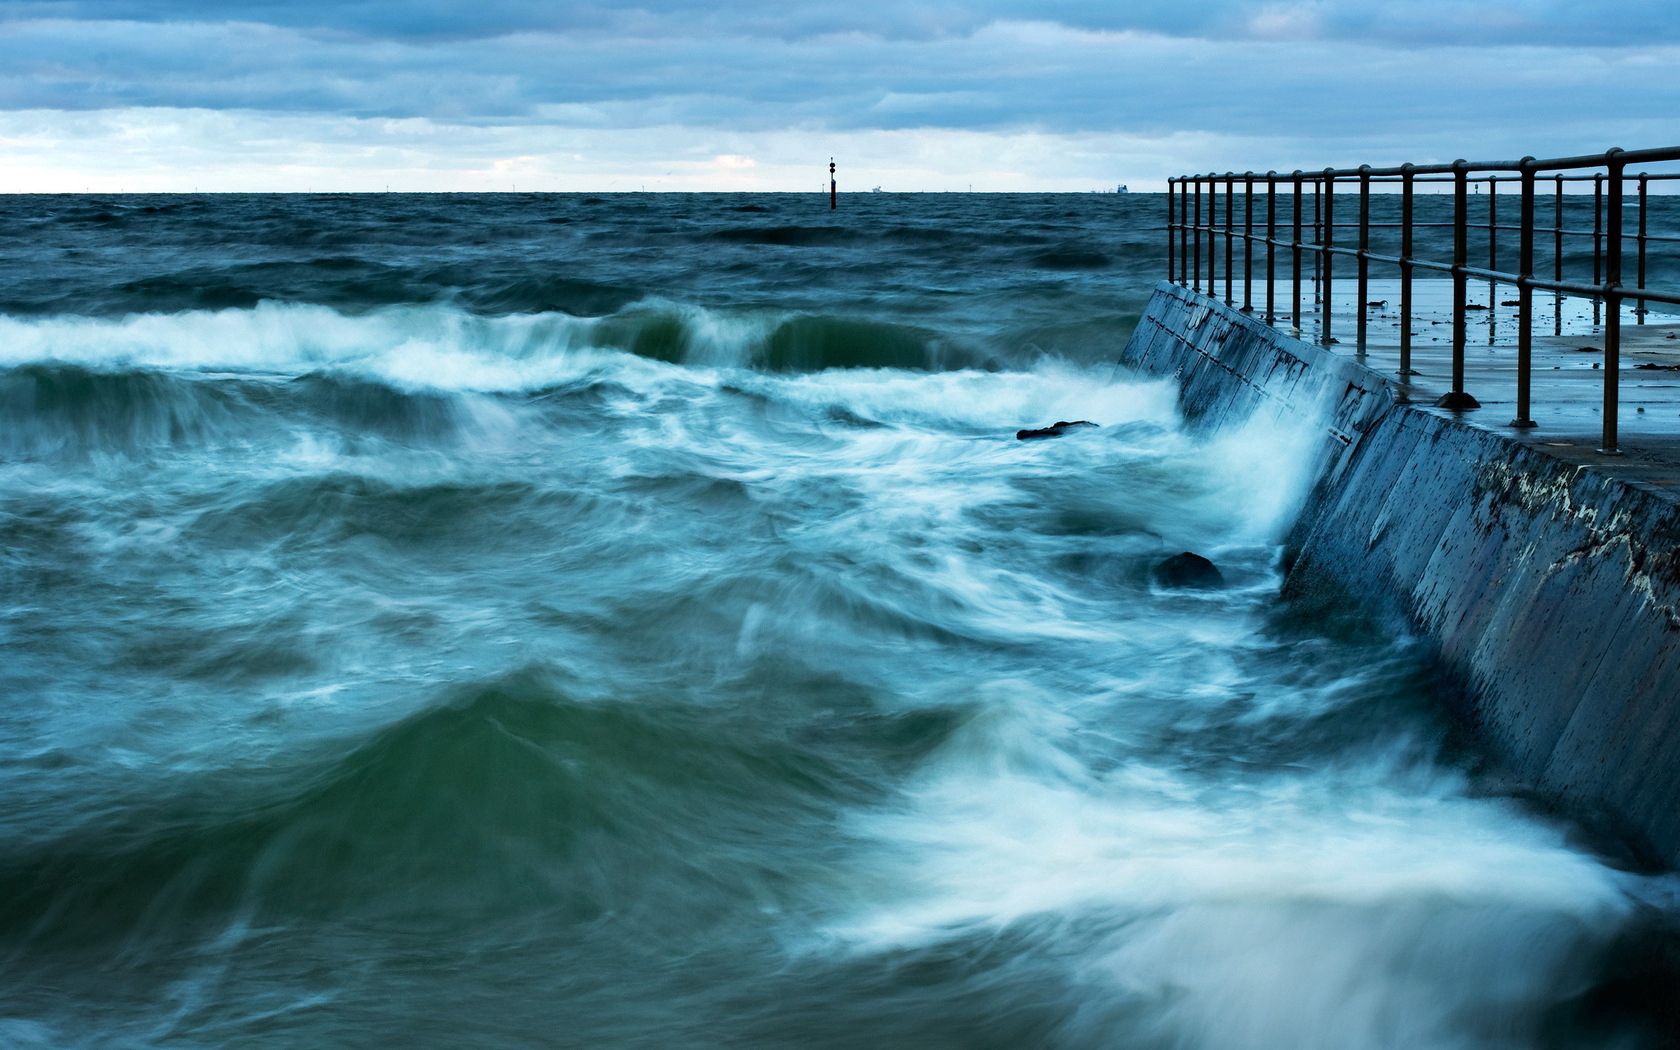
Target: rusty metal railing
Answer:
pixel 1608 173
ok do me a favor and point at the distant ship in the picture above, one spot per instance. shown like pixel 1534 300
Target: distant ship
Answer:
pixel 877 189
pixel 1122 189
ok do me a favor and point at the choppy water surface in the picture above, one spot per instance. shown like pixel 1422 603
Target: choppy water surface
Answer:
pixel 563 621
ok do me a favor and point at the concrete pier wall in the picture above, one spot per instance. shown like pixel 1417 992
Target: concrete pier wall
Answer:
pixel 1550 589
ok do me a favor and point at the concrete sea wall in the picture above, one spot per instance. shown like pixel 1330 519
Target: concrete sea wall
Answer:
pixel 1550 590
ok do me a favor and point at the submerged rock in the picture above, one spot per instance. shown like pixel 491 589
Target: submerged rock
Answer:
pixel 1189 571
pixel 1054 430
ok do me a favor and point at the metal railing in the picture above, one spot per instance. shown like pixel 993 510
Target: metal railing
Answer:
pixel 1608 172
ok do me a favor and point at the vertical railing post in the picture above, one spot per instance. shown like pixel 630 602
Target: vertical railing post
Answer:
pixel 1271 247
pixel 1457 398
pixel 1248 243
pixel 1613 304
pixel 1406 184
pixel 1172 245
pixel 1196 239
pixel 1639 309
pixel 1212 242
pixel 1557 257
pixel 1525 298
pixel 1185 235
pixel 1493 222
pixel 1364 250
pixel 1326 243
pixel 1493 254
pixel 1598 243
pixel 1230 232
pixel 1318 239
pixel 1183 231
pixel 1295 254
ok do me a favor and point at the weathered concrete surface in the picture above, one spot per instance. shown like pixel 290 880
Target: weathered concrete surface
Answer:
pixel 1550 588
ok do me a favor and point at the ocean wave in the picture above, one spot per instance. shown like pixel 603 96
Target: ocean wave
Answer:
pixel 525 294
pixel 1200 903
pixel 507 796
pixel 308 389
pixel 69 408
pixel 336 280
pixel 363 282
pixel 446 347
pixel 72 409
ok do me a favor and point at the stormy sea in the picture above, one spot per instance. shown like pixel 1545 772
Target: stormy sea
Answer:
pixel 631 621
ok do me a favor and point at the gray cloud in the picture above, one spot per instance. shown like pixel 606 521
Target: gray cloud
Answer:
pixel 1381 81
pixel 998 75
pixel 1490 23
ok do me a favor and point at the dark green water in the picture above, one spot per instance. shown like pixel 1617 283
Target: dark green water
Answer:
pixel 576 622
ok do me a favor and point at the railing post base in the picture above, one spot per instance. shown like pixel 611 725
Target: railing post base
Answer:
pixel 1457 401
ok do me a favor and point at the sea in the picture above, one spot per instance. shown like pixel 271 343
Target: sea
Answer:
pixel 530 620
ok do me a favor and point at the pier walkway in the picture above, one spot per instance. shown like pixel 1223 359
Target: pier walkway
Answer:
pixel 1567 376
pixel 1571 342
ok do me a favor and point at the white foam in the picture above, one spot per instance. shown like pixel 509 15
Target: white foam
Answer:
pixel 1361 904
pixel 433 347
pixel 993 401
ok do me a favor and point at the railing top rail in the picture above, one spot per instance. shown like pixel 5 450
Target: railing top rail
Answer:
pixel 1613 157
pixel 1391 180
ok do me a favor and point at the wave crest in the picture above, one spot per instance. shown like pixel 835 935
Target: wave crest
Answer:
pixel 70 409
pixel 449 348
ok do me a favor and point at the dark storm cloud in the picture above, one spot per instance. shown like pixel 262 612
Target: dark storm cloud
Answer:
pixel 766 66
pixel 1491 23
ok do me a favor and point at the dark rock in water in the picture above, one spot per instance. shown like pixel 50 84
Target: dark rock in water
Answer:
pixel 1190 571
pixel 1054 430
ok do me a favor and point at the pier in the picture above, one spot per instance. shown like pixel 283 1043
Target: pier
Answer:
pixel 1500 463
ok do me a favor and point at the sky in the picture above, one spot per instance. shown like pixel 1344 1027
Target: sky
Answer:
pixel 757 95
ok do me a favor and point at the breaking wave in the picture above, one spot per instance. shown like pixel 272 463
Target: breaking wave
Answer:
pixel 445 347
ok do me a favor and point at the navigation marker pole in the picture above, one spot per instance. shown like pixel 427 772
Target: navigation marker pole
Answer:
pixel 833 191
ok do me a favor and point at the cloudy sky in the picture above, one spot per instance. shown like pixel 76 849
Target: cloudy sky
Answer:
pixel 753 94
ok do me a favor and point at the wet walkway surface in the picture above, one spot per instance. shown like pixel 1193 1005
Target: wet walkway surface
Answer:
pixel 1568 371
